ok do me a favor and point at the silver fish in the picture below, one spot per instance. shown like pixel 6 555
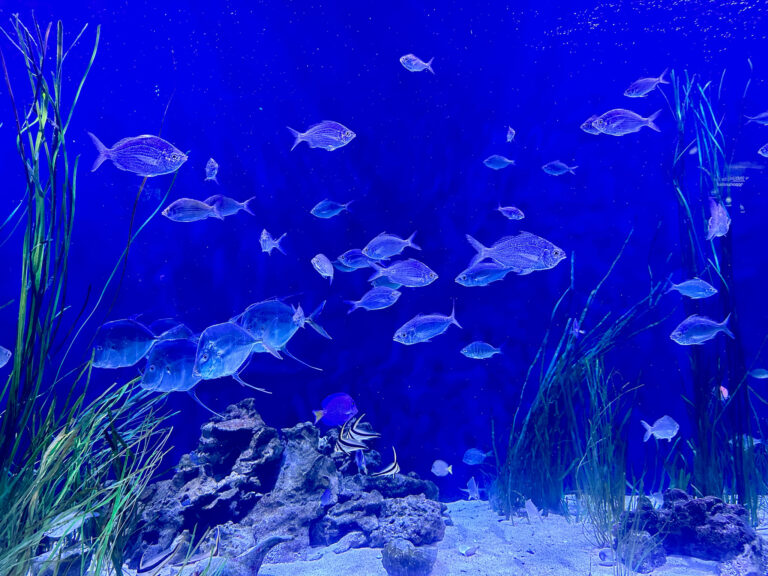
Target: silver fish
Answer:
pixel 763 151
pixel 699 329
pixel 695 288
pixel 482 274
pixel 415 64
pixel 523 253
pixel 423 328
pixel 472 489
pixel 323 265
pixel 327 135
pixel 143 155
pixel 410 273
pixel 558 168
pixel 376 298
pixel 761 118
pixel 170 367
pixel 222 351
pixel 211 170
pixel 479 350
pixel 121 343
pixel 587 126
pixel 719 221
pixel 384 246
pixel 328 208
pixel 511 212
pixel 618 122
pixel 665 428
pixel 354 259
pixel 441 468
pixel 759 373
pixel 497 162
pixel 5 356
pixel 642 87
pixel 510 134
pixel 226 206
pixel 190 210
pixel 268 243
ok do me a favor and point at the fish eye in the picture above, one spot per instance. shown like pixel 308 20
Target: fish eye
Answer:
pixel 152 368
pixel 99 347
pixel 204 357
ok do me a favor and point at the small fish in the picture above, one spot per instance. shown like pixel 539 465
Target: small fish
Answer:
pixel 576 330
pixel 327 498
pixel 695 289
pixel 510 134
pixel 356 431
pixel 441 468
pixel 190 210
pixel 467 551
pixel 642 87
pixel 415 64
pixel 475 457
pixel 143 155
pixel 348 445
pixel 327 135
pixel 699 329
pixel 5 356
pixel 618 122
pixel 587 126
pixel 362 465
pixel 472 489
pixel 511 212
pixel 211 169
pixel 498 162
pixel 423 328
pixel 761 118
pixel 759 373
pixel 337 409
pixel 386 283
pixel 532 512
pixel 226 206
pixel 323 266
pixel 724 394
pixel 719 221
pixel 342 267
pixel 384 246
pixel 170 367
pixel 222 351
pixel 557 168
pixel 479 350
pixel 268 243
pixel 390 470
pixel 409 273
pixel 524 253
pixel 328 209
pixel 354 259
pixel 482 274
pixel 377 298
pixel 665 428
pixel 121 343
pixel 763 151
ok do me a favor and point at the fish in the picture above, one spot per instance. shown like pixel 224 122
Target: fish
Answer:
pixel 415 64
pixel 384 246
pixel 327 135
pixel 511 212
pixel 5 356
pixel 377 298
pixel 222 351
pixel 467 551
pixel 121 343
pixel 557 168
pixel 475 457
pixel 472 489
pixel 422 328
pixel 619 122
pixel 347 444
pixel 761 118
pixel 211 169
pixel 170 367
pixel 390 470
pixel 724 394
pixel 479 350
pixel 441 468
pixel 759 373
pixel 144 155
pixel 409 273
pixel 323 265
pixel 386 283
pixel 763 151
pixel 67 523
pixel 719 221
pixel 665 428
pixel 356 431
pixel 697 329
pixel 497 162
pixel 532 512
pixel 268 243
pixel 587 126
pixel 328 209
pixel 190 210
pixel 695 288
pixel 510 134
pixel 226 206
pixel 178 332
pixel 482 274
pixel 341 267
pixel 336 409
pixel 576 330
pixel 362 465
pixel 327 497
pixel 641 87
pixel 523 253
pixel 354 259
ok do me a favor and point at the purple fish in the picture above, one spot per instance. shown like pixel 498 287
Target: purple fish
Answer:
pixel 719 220
pixel 326 135
pixel 143 155
pixel 337 409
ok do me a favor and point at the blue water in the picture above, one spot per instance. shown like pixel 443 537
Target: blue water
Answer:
pixel 223 80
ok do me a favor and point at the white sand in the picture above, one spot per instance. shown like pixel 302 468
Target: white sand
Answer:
pixel 553 548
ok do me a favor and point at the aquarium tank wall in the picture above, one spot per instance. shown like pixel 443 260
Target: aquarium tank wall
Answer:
pixel 405 289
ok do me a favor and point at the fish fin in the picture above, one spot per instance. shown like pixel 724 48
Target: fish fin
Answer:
pixel 429 64
pixel 725 329
pixel 572 168
pixel 647 430
pixel 271 350
pixel 246 205
pixel 236 377
pixel 650 121
pixel 297 135
pixel 101 149
pixel 481 250
pixel 750 119
pixel 318 415
pixel 450 469
pixel 411 243
pixel 661 77
pixel 379 271
pixel 452 317
pixel 354 306
pixel 216 214
pixel 312 321
pixel 277 243
pixel 196 399
pixel 288 353
pixel 346 205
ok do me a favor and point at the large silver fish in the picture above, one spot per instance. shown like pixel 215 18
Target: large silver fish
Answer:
pixel 170 367
pixel 618 122
pixel 523 253
pixel 222 350
pixel 121 343
pixel 699 329
pixel 327 135
pixel 145 155
pixel 410 273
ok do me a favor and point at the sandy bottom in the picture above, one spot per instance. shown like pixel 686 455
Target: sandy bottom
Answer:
pixel 553 547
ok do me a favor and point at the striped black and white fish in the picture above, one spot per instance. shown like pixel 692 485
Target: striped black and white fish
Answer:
pixel 390 470
pixel 347 444
pixel 356 432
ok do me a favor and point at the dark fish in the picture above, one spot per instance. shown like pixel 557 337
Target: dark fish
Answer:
pixel 410 273
pixel 226 206
pixel 121 343
pixel 482 274
pixel 377 298
pixel 384 246
pixel 328 208
pixel 390 470
pixel 211 169
pixel 475 457
pixel 143 155
pixel 642 87
pixel 327 135
pixel 190 210
pixel 337 409
pixel 618 122
pixel 415 64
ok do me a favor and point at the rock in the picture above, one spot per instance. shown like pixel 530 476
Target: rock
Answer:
pixel 414 518
pixel 359 514
pixel 351 540
pixel 640 552
pixel 401 558
pixel 751 562
pixel 248 564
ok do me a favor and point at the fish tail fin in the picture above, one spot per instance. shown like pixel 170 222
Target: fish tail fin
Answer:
pixel 670 286
pixel 651 118
pixel 318 415
pixel 354 305
pixel 481 250
pixel 749 119
pixel 101 149
pixel 450 468
pixel 429 64
pixel 662 75
pixel 346 206
pixel 312 321
pixel 452 317
pixel 572 169
pixel 247 205
pixel 379 271
pixel 411 243
pixel 297 135
pixel 278 241
pixel 725 329
pixel 648 430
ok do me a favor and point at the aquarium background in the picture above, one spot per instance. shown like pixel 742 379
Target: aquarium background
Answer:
pixel 223 80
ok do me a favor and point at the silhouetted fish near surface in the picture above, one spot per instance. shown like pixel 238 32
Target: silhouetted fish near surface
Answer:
pixel 479 350
pixel 719 221
pixel 5 356
pixel 143 155
pixel 170 367
pixel 328 209
pixel 497 162
pixel 424 327
pixel 643 86
pixel 618 122
pixel 337 409
pixel 190 210
pixel 557 168
pixel 327 135
pixel 587 126
pixel 376 298
pixel 511 212
pixel 384 246
pixel 226 206
pixel 323 265
pixel 409 273
pixel 695 288
pixel 699 329
pixel 482 274
pixel 524 253
pixel 665 428
pixel 354 259
pixel 268 243
pixel 211 170
pixel 121 343
pixel 415 64
pixel 761 118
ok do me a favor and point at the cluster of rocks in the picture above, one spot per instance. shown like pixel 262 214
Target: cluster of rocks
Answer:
pixel 705 528
pixel 251 482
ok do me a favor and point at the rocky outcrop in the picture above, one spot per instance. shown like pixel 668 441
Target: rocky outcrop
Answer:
pixel 401 558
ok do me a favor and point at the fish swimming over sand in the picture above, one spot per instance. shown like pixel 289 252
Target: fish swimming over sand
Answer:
pixel 145 155
pixel 472 489
pixel 327 135
pixel 699 329
pixel 415 64
pixel 665 428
